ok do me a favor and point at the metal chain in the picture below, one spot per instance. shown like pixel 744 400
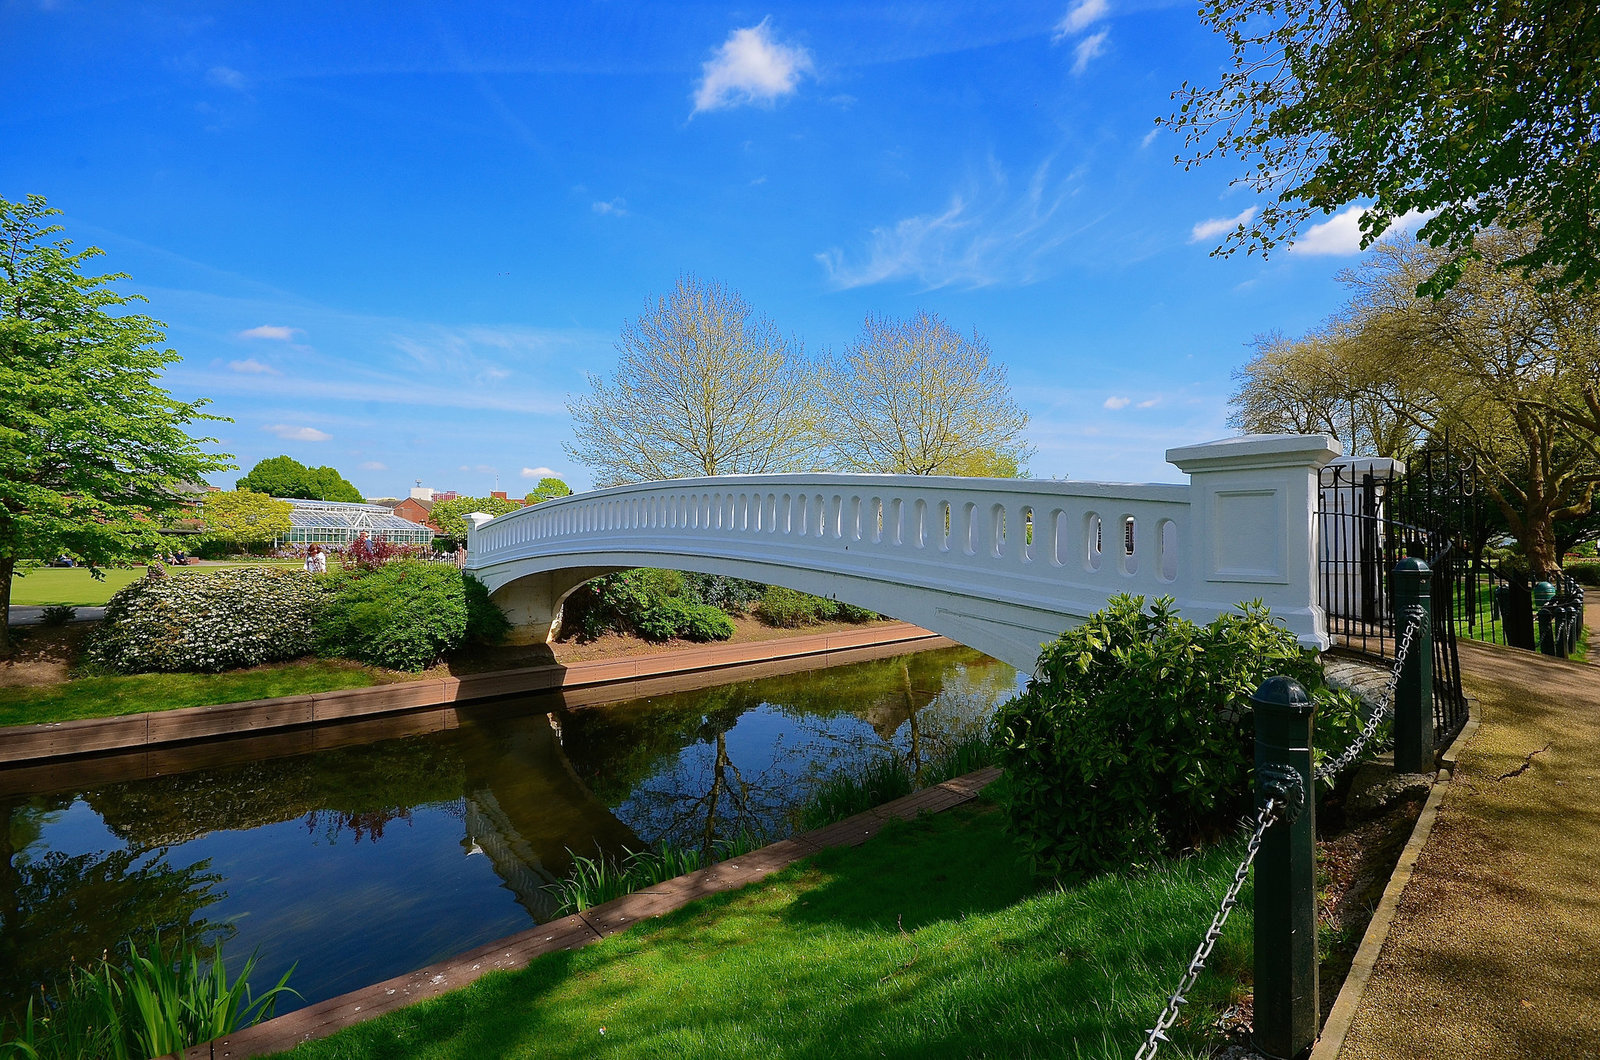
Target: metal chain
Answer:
pixel 1268 815
pixel 1334 767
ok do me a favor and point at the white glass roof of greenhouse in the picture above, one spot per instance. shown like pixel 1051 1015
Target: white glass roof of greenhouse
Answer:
pixel 339 515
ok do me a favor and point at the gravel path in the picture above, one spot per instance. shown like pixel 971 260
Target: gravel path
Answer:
pixel 1495 952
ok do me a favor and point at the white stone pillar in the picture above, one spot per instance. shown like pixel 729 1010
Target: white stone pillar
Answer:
pixel 1253 527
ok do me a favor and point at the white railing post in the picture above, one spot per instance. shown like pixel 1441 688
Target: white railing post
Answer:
pixel 1253 533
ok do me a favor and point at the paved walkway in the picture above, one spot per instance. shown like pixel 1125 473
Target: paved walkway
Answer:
pixel 1495 949
pixel 30 616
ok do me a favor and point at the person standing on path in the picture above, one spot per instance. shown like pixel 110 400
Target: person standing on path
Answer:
pixel 316 560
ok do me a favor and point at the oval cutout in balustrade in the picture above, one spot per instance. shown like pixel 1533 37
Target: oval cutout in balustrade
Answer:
pixel 1092 541
pixel 1130 551
pixel 1167 534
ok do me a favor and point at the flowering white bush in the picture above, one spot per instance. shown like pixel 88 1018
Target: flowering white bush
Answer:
pixel 207 622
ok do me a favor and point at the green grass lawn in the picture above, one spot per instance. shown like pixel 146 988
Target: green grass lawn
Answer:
pixel 929 941
pixel 106 697
pixel 76 587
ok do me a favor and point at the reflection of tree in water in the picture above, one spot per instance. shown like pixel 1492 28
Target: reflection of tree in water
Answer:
pixel 665 762
pixel 59 908
pixel 359 789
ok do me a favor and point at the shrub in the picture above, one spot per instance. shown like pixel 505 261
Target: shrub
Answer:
pixel 789 608
pixel 1132 738
pixel 57 615
pixel 662 619
pixel 733 595
pixel 1584 573
pixel 671 616
pixel 851 613
pixel 614 603
pixel 404 615
pixel 206 623
pixel 706 623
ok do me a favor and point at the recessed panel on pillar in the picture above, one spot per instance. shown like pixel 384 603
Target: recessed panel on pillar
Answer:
pixel 1247 536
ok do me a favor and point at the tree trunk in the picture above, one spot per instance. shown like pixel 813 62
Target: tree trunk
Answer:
pixel 1544 564
pixel 8 567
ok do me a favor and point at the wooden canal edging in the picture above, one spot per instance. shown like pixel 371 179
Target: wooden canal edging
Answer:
pixel 580 929
pixel 21 744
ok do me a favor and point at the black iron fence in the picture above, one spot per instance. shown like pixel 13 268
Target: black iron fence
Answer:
pixel 1370 518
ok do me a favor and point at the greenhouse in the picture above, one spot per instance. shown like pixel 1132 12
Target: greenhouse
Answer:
pixel 337 523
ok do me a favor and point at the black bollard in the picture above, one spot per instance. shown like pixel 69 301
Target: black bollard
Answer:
pixel 1413 696
pixel 1287 1017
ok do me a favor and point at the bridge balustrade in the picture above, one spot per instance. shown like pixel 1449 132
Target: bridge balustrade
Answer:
pixel 1001 564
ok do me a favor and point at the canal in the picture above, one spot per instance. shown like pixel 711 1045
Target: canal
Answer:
pixel 363 851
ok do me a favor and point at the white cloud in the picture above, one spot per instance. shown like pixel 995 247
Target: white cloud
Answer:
pixel 1115 403
pixel 275 332
pixel 1148 403
pixel 1150 137
pixel 1082 15
pixel 1220 225
pixel 374 465
pixel 1088 48
pixel 297 434
pixel 750 67
pixel 1341 233
pixel 537 472
pixel 615 208
pixel 987 234
pixel 227 77
pixel 253 367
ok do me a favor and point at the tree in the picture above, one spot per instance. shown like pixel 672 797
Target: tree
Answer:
pixel 1499 353
pixel 548 489
pixel 917 397
pixel 94 456
pixel 703 386
pixel 1477 112
pixel 245 517
pixel 284 476
pixel 1496 366
pixel 451 516
pixel 1326 382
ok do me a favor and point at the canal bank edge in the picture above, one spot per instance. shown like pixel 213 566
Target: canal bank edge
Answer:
pixel 23 744
pixel 580 929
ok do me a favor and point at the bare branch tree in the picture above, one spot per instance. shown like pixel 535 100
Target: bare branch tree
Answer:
pixel 917 397
pixel 704 386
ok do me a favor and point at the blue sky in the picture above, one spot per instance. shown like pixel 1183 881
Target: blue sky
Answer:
pixel 392 237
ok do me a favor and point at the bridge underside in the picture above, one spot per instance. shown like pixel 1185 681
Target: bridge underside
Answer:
pixel 531 592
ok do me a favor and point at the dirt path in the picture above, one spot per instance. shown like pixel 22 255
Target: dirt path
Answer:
pixel 1495 951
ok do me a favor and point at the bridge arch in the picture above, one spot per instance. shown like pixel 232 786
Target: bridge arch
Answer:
pixel 1001 565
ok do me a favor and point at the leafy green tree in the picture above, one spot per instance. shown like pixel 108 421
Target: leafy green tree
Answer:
pixel 284 476
pixel 703 386
pixel 94 457
pixel 244 516
pixel 1478 112
pixel 548 489
pixel 917 397
pixel 451 516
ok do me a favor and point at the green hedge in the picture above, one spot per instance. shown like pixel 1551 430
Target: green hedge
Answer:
pixel 405 615
pixel 1133 738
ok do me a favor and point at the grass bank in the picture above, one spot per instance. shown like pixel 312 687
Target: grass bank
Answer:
pixel 108 697
pixel 929 941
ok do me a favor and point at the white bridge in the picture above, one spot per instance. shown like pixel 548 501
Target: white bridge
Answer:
pixel 1002 565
